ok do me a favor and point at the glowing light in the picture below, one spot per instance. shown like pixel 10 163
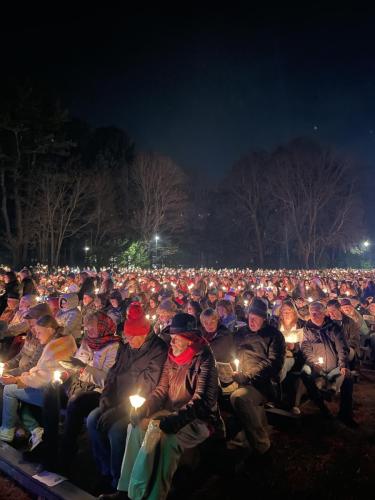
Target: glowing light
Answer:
pixel 136 401
pixel 57 376
pixel 237 364
pixel 2 366
pixel 320 360
pixel 310 299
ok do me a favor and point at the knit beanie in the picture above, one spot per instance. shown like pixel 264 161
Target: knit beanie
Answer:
pixel 258 307
pixel 136 322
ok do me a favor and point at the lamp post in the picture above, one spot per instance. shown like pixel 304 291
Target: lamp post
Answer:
pixel 86 249
pixel 157 238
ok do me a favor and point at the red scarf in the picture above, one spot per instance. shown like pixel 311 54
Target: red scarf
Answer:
pixel 185 357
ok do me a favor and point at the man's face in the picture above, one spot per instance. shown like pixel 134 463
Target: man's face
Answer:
pixel 371 309
pixel 317 315
pixel 179 344
pixel 348 310
pixel 255 322
pixel 334 313
pixel 210 323
pixel 135 342
pixel 211 297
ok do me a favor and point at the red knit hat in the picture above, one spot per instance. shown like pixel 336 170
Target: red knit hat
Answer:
pixel 136 322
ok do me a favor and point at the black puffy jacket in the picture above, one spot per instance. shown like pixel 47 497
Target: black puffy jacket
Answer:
pixel 261 355
pixel 134 371
pixel 327 342
pixel 188 391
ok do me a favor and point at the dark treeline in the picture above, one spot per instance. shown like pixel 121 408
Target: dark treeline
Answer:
pixel 65 185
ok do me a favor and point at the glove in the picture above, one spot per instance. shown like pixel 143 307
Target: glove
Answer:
pixel 240 378
pixel 170 424
pixel 107 419
pixel 77 362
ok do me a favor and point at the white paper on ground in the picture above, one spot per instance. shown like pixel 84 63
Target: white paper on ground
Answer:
pixel 49 478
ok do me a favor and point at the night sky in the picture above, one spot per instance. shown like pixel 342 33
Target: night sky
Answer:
pixel 206 86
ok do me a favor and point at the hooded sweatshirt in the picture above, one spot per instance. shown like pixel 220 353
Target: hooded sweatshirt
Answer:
pixel 69 316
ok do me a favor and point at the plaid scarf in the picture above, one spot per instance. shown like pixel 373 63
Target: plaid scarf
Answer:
pixel 106 332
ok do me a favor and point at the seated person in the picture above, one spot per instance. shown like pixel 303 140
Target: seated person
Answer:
pixel 29 386
pixel 349 327
pixel 326 355
pixel 80 393
pixel 291 326
pixel 138 367
pixel 185 406
pixel 260 349
pixel 69 316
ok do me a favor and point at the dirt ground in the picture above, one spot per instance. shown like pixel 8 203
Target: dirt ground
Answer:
pixel 311 458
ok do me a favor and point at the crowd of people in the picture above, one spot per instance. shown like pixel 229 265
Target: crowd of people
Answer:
pixel 154 362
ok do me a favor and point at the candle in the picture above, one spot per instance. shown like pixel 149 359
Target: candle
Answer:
pixel 291 338
pixel 147 316
pixel 96 290
pixel 246 302
pixel 320 360
pixel 237 364
pixel 1 369
pixel 136 401
pixel 57 376
pixel 347 294
pixel 153 317
pixel 310 299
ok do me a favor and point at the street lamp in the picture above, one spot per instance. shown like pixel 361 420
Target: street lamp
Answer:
pixel 157 238
pixel 366 244
pixel 86 249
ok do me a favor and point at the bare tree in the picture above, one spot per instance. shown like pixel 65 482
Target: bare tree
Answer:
pixel 251 203
pixel 65 197
pixel 159 196
pixel 316 191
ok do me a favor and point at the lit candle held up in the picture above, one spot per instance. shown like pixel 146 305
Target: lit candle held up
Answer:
pixel 136 401
pixel 237 364
pixel 2 365
pixel 57 376
pixel 320 360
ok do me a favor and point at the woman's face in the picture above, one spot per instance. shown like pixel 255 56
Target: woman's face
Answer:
pixel 114 302
pixel 91 328
pixel 43 333
pixel 287 314
pixel 152 304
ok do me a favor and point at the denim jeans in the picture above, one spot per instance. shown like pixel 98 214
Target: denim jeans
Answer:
pixel 12 395
pixel 108 448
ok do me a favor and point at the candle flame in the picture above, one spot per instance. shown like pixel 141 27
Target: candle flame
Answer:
pixel 136 401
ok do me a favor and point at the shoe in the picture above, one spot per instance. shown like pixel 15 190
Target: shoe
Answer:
pixel 36 437
pixel 7 435
pixel 119 495
pixel 348 421
pixel 296 411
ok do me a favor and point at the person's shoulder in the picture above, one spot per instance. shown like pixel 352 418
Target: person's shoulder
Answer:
pixel 157 343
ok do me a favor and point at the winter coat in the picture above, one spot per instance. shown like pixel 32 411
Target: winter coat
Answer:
pixel 98 363
pixel 261 356
pixel 188 391
pixel 87 286
pixel 326 341
pixel 221 343
pixel 135 371
pixel 11 288
pixel 19 325
pixel 27 287
pixel 351 333
pixel 87 311
pixel 27 357
pixel 70 317
pixel 57 349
